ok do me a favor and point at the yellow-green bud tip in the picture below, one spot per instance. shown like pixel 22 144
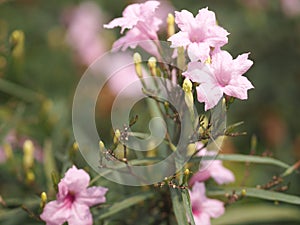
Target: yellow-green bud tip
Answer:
pixel 28 147
pixel 137 62
pixel 137 58
pixel 75 146
pixel 117 133
pixel 152 62
pixel 44 197
pixel 171 23
pixel 187 85
pixel 101 145
pixel 187 172
pixel 243 193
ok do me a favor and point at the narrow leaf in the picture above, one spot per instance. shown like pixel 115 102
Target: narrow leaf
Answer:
pixel 258 214
pixel 262 194
pixel 178 207
pixel 124 204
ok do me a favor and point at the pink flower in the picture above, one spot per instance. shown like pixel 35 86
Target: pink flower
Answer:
pixel 83 33
pixel 143 25
pixel 291 8
pixel 211 168
pixel 199 34
pixel 223 75
pixel 121 76
pixel 73 200
pixel 204 208
pixel 162 12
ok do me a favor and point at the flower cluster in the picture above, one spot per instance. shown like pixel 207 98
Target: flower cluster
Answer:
pixel 210 66
pixel 215 71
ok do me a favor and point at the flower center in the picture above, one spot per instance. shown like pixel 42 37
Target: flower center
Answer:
pixel 196 210
pixel 69 199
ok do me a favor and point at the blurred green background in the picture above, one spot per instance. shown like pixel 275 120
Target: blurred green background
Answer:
pixel 50 67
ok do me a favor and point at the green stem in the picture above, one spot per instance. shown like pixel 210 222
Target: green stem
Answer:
pixel 19 91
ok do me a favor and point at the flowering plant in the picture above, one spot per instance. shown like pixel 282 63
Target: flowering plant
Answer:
pixel 173 72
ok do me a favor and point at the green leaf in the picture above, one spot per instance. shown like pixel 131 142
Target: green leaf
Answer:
pixel 178 207
pixel 258 213
pixel 124 204
pixel 187 205
pixel 244 158
pixel 259 193
pixel 19 91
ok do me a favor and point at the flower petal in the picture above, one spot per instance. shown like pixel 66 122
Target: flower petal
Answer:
pixel 210 94
pixel 242 64
pixel 199 72
pixel 238 87
pixel 55 213
pixel 202 219
pixel 200 176
pixel 217 37
pixel 180 39
pixel 221 174
pixel 206 17
pixel 198 51
pixel 184 19
pixel 81 215
pixel 76 179
pixel 214 208
pixel 92 196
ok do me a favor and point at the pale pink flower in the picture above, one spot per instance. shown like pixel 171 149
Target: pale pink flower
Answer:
pixel 222 76
pixel 73 200
pixel 204 208
pixel 211 168
pixel 83 33
pixel 143 25
pixel 121 76
pixel 291 8
pixel 162 11
pixel 199 34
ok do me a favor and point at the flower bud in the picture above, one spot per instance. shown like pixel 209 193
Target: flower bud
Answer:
pixel 188 97
pixel 28 158
pixel 30 177
pixel 138 64
pixel 17 39
pixel 101 146
pixel 43 199
pixel 117 136
pixel 243 192
pixel 187 85
pixel 171 24
pixel 75 146
pixel 152 66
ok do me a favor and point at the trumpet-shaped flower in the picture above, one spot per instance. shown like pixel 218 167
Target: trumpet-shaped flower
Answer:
pixel 211 168
pixel 204 208
pixel 199 34
pixel 73 200
pixel 223 75
pixel 143 25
